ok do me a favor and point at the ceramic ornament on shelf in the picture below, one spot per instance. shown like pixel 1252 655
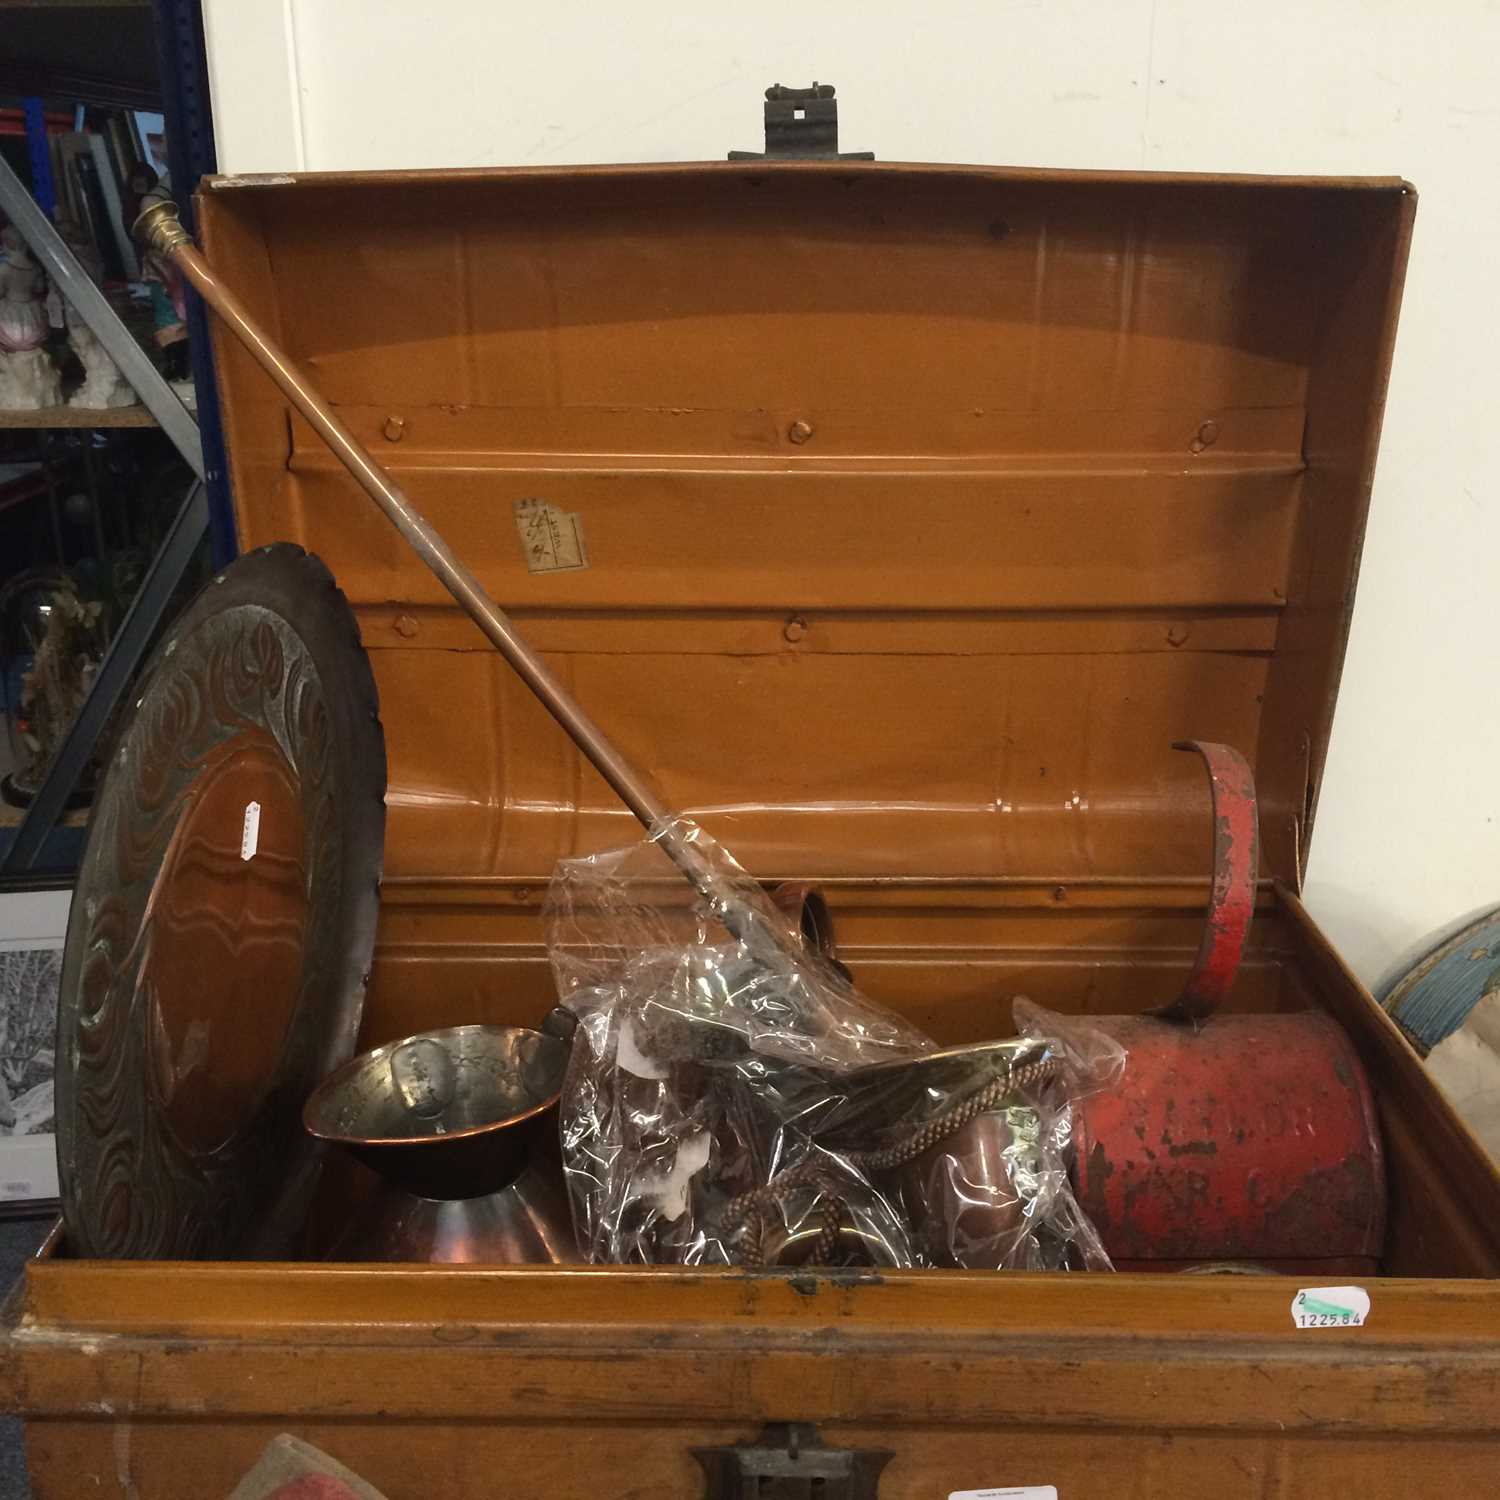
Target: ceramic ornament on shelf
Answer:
pixel 103 385
pixel 28 378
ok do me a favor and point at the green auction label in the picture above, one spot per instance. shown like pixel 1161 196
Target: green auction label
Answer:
pixel 1330 1307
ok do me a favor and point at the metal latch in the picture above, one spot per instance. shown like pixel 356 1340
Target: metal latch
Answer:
pixel 801 124
pixel 791 1462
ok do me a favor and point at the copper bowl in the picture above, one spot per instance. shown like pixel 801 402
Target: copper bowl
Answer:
pixel 444 1114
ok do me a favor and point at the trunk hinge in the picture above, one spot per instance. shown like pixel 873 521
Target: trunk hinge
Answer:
pixel 801 125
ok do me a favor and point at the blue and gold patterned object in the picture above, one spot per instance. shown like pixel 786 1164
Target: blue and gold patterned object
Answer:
pixel 1433 998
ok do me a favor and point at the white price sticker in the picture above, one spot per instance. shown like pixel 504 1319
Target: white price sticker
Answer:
pixel 1025 1492
pixel 250 838
pixel 1330 1307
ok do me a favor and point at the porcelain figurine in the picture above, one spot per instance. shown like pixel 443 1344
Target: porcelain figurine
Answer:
pixel 28 378
pixel 103 384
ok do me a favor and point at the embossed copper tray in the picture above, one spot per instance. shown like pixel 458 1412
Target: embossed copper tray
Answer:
pixel 223 920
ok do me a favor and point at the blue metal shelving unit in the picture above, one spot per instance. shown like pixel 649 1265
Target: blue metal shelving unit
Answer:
pixel 190 150
pixel 37 850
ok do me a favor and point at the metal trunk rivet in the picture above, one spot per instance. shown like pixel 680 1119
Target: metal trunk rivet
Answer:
pixel 799 431
pixel 394 428
pixel 794 629
pixel 406 626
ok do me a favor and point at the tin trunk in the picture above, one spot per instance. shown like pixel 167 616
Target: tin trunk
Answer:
pixel 897 520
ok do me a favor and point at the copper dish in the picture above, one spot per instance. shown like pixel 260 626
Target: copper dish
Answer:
pixel 460 1125
pixel 222 924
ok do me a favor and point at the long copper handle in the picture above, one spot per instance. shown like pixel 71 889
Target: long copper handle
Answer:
pixel 160 226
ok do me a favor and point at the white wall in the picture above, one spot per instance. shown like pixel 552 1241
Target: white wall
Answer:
pixel 1408 830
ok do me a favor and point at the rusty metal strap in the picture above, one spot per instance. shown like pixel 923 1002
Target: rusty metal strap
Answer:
pixel 1232 900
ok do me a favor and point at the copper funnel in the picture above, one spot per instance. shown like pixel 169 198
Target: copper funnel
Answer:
pixel 461 1127
pixel 527 1222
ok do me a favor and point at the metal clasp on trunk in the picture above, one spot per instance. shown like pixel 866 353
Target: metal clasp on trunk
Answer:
pixel 791 1462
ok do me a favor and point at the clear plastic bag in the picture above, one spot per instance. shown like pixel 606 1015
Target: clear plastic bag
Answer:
pixel 732 1099
pixel 997 1192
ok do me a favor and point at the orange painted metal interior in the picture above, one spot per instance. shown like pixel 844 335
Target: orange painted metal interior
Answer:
pixel 924 508
pixel 1086 471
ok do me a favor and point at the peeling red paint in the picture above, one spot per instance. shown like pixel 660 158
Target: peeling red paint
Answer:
pixel 1236 866
pixel 1266 1143
pixel 1231 1137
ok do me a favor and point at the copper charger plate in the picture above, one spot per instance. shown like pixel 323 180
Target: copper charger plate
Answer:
pixel 223 920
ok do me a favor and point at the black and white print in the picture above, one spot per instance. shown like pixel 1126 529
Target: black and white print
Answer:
pixel 28 1023
pixel 33 927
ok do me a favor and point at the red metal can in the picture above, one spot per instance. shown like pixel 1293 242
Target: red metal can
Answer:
pixel 1249 1138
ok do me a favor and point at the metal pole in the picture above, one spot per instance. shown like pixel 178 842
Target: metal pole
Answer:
pixel 89 303
pixel 182 72
pixel 159 224
pixel 91 478
pixel 54 510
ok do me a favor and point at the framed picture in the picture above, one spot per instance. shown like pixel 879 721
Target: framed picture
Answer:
pixel 33 925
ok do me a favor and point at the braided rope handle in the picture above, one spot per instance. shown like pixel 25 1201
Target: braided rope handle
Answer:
pixel 750 1211
pixel 982 1101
